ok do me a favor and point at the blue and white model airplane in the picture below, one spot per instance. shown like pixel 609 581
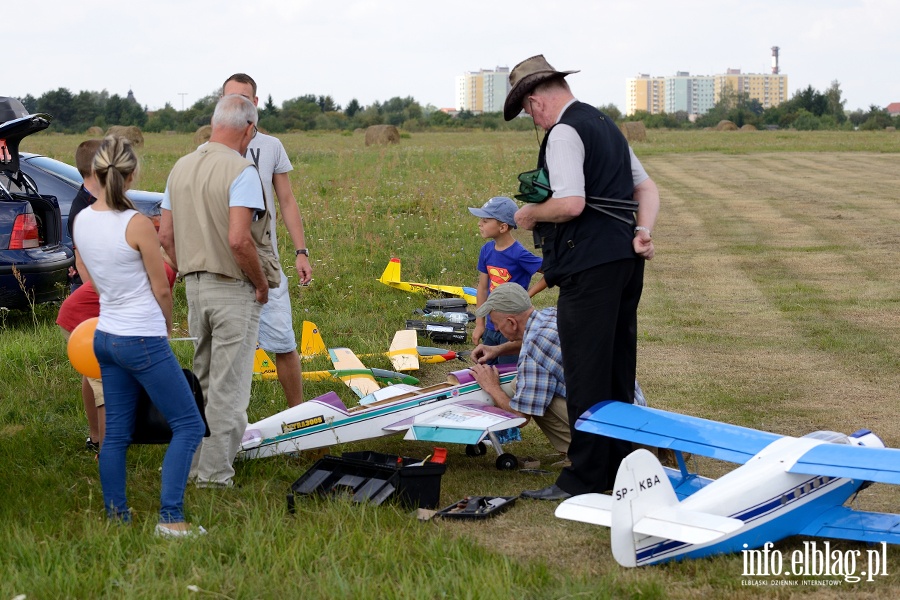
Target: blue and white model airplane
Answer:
pixel 457 411
pixel 786 486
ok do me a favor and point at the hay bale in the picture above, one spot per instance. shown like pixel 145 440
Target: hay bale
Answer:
pixel 748 127
pixel 726 125
pixel 634 131
pixel 132 133
pixel 890 128
pixel 382 135
pixel 95 132
pixel 359 131
pixel 201 136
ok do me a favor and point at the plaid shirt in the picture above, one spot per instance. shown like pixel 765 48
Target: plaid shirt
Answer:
pixel 540 369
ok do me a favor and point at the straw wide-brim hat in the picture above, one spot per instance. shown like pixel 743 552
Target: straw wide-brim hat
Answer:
pixel 524 77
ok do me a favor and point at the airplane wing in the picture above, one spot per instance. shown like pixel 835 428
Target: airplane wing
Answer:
pixel 403 353
pixel 362 384
pixel 845 523
pixel 663 429
pixel 468 294
pixel 851 462
pixel 457 423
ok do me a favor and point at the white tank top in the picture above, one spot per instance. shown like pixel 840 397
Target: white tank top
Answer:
pixel 127 303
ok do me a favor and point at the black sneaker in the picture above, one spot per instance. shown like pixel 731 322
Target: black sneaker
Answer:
pixel 92 445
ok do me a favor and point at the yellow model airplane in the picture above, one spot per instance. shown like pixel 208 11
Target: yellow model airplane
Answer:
pixel 391 277
pixel 347 366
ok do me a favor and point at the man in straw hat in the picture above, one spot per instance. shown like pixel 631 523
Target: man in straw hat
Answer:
pixel 595 258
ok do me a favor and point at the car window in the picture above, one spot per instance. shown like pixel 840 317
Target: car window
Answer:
pixel 60 169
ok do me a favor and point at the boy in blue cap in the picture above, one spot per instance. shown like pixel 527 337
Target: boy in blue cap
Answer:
pixel 502 260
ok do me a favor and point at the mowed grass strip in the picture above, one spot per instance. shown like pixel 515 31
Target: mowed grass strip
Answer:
pixel 771 304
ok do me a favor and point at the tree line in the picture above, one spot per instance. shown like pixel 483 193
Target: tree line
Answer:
pixel 808 109
pixel 75 113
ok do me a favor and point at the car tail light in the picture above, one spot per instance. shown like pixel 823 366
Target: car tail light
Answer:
pixel 24 232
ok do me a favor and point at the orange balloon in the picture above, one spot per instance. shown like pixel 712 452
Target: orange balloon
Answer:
pixel 81 349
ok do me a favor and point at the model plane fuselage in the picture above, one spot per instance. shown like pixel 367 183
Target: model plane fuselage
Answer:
pixel 391 277
pixel 449 412
pixel 786 486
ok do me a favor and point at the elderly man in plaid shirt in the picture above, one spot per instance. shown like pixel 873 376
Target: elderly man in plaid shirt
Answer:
pixel 540 383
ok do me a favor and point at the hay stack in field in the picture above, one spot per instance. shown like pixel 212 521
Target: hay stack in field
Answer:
pixel 890 128
pixel 359 130
pixel 201 136
pixel 382 135
pixel 726 125
pixel 95 132
pixel 748 127
pixel 634 131
pixel 132 133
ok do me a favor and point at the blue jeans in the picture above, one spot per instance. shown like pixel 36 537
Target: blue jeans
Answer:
pixel 128 363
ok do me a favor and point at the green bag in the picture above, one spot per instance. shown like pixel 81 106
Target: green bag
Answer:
pixel 534 186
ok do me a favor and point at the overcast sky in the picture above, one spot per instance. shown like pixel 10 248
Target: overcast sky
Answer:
pixel 377 49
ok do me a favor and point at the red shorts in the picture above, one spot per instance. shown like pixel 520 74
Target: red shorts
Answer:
pixel 81 305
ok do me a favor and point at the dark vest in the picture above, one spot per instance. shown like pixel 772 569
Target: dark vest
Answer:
pixel 592 238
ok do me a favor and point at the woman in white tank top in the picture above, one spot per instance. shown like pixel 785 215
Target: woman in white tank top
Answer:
pixel 121 255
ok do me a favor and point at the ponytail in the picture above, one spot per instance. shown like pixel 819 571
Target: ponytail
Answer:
pixel 113 163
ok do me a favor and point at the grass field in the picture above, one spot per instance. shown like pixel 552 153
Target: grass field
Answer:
pixel 772 303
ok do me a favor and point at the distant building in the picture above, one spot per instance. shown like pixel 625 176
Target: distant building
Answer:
pixel 130 97
pixel 696 95
pixel 645 93
pixel 893 109
pixel 771 89
pixel 482 91
pixel 693 94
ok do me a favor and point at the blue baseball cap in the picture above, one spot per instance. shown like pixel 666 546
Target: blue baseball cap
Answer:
pixel 499 207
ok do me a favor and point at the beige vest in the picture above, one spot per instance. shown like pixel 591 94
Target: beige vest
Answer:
pixel 199 192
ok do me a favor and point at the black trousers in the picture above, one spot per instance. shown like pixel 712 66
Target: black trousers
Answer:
pixel 597 315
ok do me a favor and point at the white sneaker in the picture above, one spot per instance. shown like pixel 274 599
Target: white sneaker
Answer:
pixel 165 532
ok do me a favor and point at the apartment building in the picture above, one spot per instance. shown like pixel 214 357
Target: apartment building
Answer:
pixel 645 93
pixel 697 94
pixel 692 94
pixel 482 91
pixel 771 89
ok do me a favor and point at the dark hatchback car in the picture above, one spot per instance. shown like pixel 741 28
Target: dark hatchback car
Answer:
pixel 36 193
pixel 34 262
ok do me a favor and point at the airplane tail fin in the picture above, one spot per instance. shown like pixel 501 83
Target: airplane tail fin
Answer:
pixel 643 504
pixel 642 488
pixel 311 343
pixel 403 352
pixel 391 272
pixel 263 366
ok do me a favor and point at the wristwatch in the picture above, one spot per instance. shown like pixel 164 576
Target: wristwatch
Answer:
pixel 303 251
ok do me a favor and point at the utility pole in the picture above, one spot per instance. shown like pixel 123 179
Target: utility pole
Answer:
pixel 182 94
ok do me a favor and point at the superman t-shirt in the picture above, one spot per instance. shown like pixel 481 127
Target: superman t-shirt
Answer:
pixel 514 264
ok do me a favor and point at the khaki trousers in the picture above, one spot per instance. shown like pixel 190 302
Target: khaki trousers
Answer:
pixel 555 424
pixel 223 315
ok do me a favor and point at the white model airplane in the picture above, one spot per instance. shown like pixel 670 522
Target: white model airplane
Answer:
pixel 457 411
pixel 786 486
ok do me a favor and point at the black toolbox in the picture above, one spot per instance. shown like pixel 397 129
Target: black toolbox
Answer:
pixel 373 477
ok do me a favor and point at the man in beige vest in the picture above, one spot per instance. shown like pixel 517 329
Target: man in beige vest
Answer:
pixel 215 229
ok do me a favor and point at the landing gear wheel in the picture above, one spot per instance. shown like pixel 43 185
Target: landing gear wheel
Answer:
pixel 476 449
pixel 507 462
